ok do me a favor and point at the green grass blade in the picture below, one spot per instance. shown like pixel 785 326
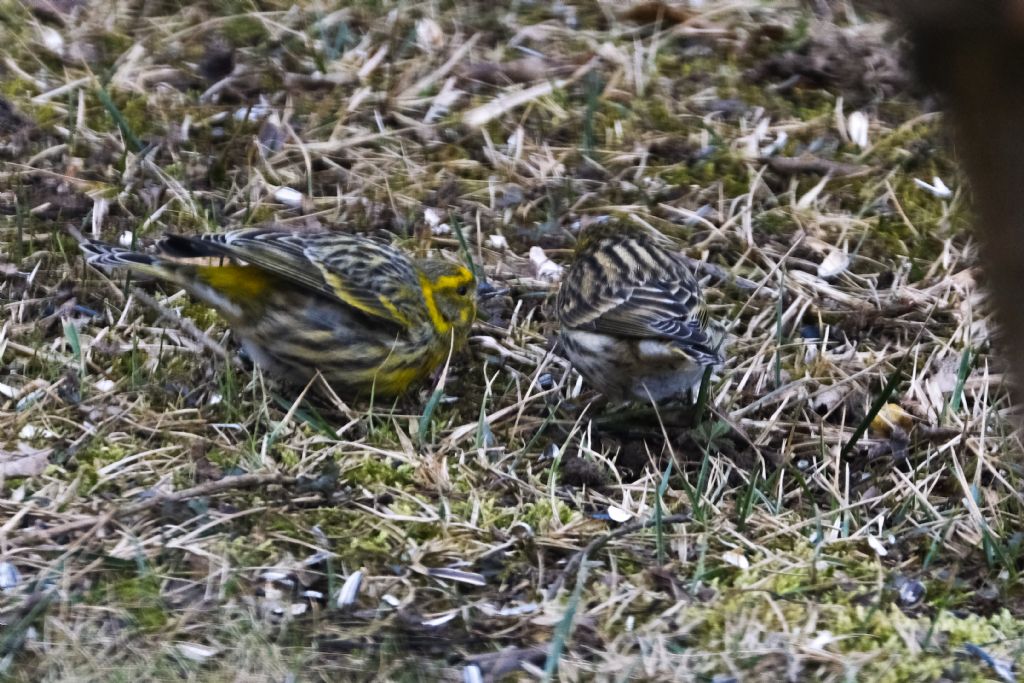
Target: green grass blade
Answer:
pixel 464 248
pixel 747 501
pixel 703 395
pixel 71 334
pixel 880 400
pixel 659 513
pixel 119 119
pixel 966 360
pixel 428 414
pixel 564 628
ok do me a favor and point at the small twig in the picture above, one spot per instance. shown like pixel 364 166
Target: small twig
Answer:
pixel 48 356
pixel 724 275
pixel 187 326
pixel 243 481
pixel 480 116
pixel 816 165
pixel 576 560
pixel 437 74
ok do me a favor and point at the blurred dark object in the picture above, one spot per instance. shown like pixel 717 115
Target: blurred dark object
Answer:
pixel 218 60
pixel 972 53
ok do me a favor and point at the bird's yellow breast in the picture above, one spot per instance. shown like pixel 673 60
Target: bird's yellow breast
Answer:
pixel 236 283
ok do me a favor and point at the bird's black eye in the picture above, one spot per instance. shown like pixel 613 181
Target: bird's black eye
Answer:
pixel 462 290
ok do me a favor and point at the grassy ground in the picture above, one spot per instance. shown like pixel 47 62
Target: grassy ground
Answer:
pixel 848 506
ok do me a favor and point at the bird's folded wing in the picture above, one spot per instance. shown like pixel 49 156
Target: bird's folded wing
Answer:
pixel 671 311
pixel 334 264
pixel 376 278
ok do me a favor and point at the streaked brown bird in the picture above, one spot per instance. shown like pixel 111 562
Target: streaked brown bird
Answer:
pixel 632 316
pixel 365 315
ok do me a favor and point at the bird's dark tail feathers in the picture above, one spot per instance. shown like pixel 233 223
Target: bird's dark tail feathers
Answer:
pixel 199 246
pixel 107 256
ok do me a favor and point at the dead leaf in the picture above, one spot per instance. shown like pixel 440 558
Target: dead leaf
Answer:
pixel 26 461
pixel 834 264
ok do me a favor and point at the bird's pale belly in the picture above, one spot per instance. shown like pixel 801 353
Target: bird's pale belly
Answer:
pixel 631 369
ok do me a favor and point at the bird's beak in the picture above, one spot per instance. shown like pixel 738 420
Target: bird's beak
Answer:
pixel 485 290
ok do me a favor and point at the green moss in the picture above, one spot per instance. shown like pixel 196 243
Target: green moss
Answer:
pixel 127 364
pixel 775 222
pixel 490 514
pixel 138 116
pixel 720 166
pixel 140 597
pixel 100 453
pixel 923 243
pixel 915 150
pixel 654 114
pixel 202 315
pixel 377 546
pixel 16 88
pixel 260 214
pixel 94 456
pixel 112 44
pixel 449 152
pixel 286 457
pixel 251 550
pixel 856 626
pixel 373 472
pixel 539 515
pixel 226 460
pixel 245 31
pixel 45 115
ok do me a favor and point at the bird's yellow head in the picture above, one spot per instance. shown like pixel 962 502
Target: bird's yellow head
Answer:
pixel 449 290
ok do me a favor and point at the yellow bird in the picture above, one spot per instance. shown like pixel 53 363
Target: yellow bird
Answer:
pixel 364 314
